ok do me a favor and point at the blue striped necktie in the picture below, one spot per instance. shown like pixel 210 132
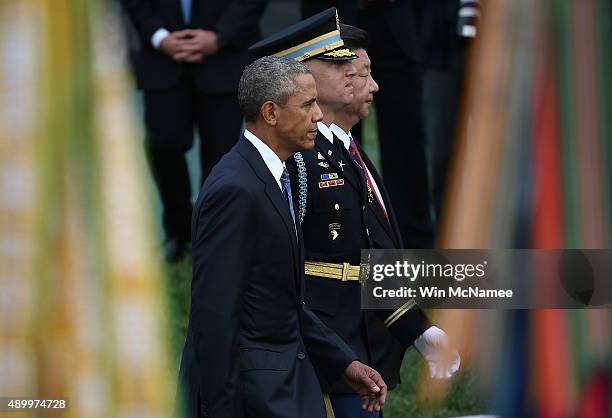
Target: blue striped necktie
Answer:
pixel 286 183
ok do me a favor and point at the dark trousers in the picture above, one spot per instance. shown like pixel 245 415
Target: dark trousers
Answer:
pixel 170 118
pixel 401 132
pixel 349 406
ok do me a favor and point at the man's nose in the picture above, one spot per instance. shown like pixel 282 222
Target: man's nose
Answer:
pixel 317 116
pixel 373 85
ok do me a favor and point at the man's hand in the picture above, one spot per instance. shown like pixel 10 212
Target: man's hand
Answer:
pixel 190 45
pixel 174 43
pixel 198 42
pixel 442 361
pixel 368 384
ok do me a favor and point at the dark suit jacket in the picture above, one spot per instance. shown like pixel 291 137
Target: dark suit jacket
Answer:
pixel 401 17
pixel 347 9
pixel 338 303
pixel 252 341
pixel 235 21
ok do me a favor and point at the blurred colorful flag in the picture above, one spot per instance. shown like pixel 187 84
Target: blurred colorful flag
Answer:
pixel 82 309
pixel 532 170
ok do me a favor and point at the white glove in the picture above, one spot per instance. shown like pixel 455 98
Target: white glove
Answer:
pixel 441 360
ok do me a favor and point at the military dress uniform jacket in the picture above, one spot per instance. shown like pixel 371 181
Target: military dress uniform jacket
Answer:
pixel 235 22
pixel 337 224
pixel 252 341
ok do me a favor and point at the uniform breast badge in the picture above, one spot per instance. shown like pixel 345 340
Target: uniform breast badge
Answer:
pixel 334 231
pixel 329 176
pixel 331 183
pixel 323 164
pixel 342 164
pixel 320 157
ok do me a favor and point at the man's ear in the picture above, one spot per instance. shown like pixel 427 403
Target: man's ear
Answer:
pixel 269 112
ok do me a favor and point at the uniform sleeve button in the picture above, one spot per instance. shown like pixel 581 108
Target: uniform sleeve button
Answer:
pixel 301 355
pixel 337 206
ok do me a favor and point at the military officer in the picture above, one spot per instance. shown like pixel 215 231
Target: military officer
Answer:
pixel 344 207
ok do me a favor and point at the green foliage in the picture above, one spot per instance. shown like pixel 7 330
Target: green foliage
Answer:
pixel 178 286
pixel 411 399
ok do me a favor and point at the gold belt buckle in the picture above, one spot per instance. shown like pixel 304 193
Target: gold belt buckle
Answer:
pixel 345 271
pixel 364 272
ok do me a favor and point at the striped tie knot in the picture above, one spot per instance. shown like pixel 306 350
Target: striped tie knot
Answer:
pixel 285 178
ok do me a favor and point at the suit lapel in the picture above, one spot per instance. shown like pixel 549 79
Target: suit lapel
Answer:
pixel 380 217
pixel 391 223
pixel 280 202
pixel 273 192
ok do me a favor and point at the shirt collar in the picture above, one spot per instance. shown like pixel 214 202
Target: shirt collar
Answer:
pixel 325 131
pixel 344 136
pixel 274 164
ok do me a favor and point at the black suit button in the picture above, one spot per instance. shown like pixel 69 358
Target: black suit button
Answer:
pixel 301 355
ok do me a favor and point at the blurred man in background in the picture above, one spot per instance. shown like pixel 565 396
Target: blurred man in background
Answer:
pixel 191 56
pixel 396 54
pixel 447 30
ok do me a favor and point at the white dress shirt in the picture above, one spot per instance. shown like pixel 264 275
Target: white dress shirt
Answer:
pixel 159 35
pixel 327 133
pixel 346 141
pixel 274 164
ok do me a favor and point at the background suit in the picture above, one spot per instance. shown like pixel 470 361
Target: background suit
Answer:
pixel 444 59
pixel 338 303
pixel 347 9
pixel 396 54
pixel 247 302
pixel 179 95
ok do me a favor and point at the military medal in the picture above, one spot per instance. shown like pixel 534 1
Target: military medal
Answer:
pixel 329 176
pixel 331 183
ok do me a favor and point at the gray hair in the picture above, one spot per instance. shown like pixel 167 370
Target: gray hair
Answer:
pixel 268 78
